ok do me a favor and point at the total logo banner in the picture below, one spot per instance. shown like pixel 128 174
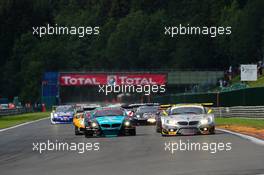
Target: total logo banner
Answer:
pixel 71 79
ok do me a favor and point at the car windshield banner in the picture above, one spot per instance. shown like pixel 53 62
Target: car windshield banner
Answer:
pixel 70 79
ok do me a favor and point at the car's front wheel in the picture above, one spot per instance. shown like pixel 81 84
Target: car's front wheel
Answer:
pixel 88 134
pixel 51 121
pixel 158 129
pixel 132 132
pixel 162 133
pixel 76 131
pixel 212 130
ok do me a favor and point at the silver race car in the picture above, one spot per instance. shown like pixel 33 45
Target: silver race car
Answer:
pixel 187 119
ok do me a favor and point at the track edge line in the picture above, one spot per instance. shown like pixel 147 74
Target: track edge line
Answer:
pixel 22 124
pixel 247 137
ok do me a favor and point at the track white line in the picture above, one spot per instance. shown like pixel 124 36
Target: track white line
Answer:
pixel 22 124
pixel 251 138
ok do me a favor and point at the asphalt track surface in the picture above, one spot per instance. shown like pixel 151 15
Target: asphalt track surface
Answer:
pixel 141 154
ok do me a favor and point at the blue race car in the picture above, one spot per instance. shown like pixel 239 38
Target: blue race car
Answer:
pixel 109 122
pixel 62 115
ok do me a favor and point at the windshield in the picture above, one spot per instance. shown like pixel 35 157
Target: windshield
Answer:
pixel 187 110
pixel 148 109
pixel 103 113
pixel 64 109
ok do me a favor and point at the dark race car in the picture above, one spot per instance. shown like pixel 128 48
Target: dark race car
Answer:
pixel 146 114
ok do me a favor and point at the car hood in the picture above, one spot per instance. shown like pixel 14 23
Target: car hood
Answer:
pixel 186 117
pixel 110 119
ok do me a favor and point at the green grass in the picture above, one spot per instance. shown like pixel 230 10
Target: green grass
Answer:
pixel 255 123
pixel 258 83
pixel 235 79
pixel 8 121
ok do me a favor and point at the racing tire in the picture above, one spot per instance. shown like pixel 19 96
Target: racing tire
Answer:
pixel 76 131
pixel 87 134
pixel 52 122
pixel 158 130
pixel 161 132
pixel 212 131
pixel 132 132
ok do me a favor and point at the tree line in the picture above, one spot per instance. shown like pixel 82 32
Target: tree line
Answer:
pixel 131 38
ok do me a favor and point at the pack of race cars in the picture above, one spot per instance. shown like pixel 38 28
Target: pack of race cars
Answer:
pixel 94 120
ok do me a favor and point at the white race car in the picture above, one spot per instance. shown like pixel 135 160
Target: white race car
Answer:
pixel 62 115
pixel 187 119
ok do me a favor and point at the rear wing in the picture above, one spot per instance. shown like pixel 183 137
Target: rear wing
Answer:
pixel 127 106
pixel 207 104
pixel 201 104
pixel 165 106
pixel 136 105
pixel 208 107
pixel 89 108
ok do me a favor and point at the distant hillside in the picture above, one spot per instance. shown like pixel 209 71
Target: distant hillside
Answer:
pixel 131 37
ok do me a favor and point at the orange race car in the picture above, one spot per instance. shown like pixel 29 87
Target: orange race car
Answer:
pixel 79 119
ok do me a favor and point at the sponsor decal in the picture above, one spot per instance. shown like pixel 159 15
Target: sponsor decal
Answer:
pixel 117 79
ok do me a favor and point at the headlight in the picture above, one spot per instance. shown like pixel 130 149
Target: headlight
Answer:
pixel 204 121
pixel 151 120
pixel 171 122
pixel 93 124
pixel 138 116
pixel 55 115
pixel 127 123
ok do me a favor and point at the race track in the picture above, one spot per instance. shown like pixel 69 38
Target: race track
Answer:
pixel 141 155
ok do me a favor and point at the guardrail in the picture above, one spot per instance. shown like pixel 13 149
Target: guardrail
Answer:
pixel 5 112
pixel 240 111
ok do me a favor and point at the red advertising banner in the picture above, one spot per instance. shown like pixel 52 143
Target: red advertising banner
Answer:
pixel 70 79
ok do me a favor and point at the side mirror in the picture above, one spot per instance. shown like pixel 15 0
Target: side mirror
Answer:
pixel 164 113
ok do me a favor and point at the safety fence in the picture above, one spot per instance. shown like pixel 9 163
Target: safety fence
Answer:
pixel 239 111
pixel 5 112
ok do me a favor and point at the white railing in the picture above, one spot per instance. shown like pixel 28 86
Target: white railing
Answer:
pixel 5 112
pixel 240 111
